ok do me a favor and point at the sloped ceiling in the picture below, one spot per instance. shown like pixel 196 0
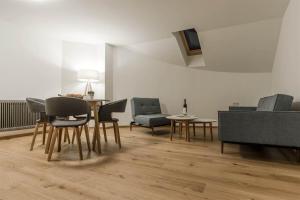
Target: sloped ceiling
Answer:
pixel 229 29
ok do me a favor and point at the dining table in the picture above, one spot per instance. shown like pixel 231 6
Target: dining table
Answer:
pixel 95 104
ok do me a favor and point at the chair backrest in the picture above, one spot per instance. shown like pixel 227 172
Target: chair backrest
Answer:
pixel 105 111
pixel 66 106
pixel 36 105
pixel 278 102
pixel 145 106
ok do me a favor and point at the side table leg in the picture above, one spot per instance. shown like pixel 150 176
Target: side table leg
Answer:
pixel 187 130
pixel 211 131
pixel 171 131
pixel 194 129
pixel 204 130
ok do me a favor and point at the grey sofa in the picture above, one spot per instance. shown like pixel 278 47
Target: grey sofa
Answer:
pixel 270 123
pixel 146 112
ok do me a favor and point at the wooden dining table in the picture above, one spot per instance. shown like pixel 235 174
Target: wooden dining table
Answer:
pixel 95 104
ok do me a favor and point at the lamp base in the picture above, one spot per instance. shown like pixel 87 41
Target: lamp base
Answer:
pixel 88 88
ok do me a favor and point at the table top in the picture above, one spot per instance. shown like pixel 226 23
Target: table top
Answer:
pixel 204 120
pixel 182 117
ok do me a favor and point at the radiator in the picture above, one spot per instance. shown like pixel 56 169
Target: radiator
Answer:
pixel 15 115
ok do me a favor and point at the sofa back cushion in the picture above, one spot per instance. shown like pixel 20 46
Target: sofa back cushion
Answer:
pixel 145 106
pixel 278 102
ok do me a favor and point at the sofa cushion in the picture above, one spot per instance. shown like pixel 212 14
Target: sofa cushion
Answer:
pixel 152 120
pixel 278 102
pixel 145 106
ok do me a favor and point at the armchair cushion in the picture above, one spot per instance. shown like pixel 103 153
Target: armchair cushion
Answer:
pixel 278 102
pixel 152 120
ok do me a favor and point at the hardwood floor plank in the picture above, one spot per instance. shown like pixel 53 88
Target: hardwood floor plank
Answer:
pixel 147 167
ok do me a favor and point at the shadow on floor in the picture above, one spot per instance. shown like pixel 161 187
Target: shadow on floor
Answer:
pixel 270 154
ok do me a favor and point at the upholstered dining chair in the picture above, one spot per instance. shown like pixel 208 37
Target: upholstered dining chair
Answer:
pixel 60 110
pixel 38 106
pixel 105 116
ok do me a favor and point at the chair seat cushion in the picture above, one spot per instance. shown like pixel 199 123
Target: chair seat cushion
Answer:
pixel 69 123
pixel 152 120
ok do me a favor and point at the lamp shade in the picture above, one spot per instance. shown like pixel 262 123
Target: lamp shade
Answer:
pixel 88 75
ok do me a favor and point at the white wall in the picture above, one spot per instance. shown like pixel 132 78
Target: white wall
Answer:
pixel 77 56
pixel 206 92
pixel 286 71
pixel 30 64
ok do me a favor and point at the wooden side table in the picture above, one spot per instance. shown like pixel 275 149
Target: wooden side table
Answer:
pixel 181 119
pixel 204 122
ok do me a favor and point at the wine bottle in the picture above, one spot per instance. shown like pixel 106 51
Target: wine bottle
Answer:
pixel 184 111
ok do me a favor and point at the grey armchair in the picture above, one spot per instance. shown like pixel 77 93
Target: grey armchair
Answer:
pixel 59 109
pixel 105 116
pixel 146 112
pixel 271 123
pixel 38 106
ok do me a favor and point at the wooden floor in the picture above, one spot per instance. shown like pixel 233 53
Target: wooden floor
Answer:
pixel 148 167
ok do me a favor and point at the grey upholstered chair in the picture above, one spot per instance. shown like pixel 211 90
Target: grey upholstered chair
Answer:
pixel 146 112
pixel 59 110
pixel 105 116
pixel 38 106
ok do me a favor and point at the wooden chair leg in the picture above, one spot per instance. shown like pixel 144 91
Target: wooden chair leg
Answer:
pixel 49 139
pixel 116 140
pixel 44 132
pixel 79 143
pixel 104 131
pixel 80 130
pixel 73 136
pixel 59 139
pixel 87 135
pixel 53 139
pixel 118 135
pixel 152 129
pixel 34 135
pixel 67 136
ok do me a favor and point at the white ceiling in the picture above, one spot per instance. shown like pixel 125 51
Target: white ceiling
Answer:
pixel 133 21
pixel 128 22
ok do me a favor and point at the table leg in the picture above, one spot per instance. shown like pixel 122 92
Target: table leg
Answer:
pixel 172 130
pixel 204 130
pixel 211 131
pixel 180 129
pixel 187 130
pixel 96 130
pixel 194 129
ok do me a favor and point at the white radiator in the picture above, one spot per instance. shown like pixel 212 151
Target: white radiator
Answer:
pixel 15 115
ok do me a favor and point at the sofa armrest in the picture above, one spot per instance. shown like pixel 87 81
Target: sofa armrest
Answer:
pixel 242 108
pixel 272 128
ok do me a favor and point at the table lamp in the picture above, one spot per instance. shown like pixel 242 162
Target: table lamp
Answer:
pixel 88 76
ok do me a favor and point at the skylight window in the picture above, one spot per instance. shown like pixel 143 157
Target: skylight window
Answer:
pixel 191 42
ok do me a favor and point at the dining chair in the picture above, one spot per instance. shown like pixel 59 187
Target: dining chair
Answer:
pixel 38 106
pixel 105 116
pixel 61 111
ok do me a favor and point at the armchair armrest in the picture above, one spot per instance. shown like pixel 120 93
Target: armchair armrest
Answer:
pixel 271 128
